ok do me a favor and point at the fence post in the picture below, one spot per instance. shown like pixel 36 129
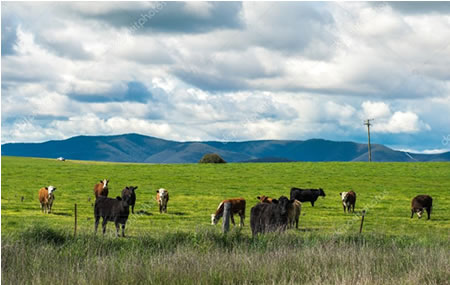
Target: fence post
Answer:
pixel 75 225
pixel 362 221
pixel 226 217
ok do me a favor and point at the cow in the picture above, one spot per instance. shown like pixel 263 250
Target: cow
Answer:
pixel 294 214
pixel 162 196
pixel 419 203
pixel 101 189
pixel 270 217
pixel 237 207
pixel 306 195
pixel 348 200
pixel 264 199
pixel 46 198
pixel 131 190
pixel 114 210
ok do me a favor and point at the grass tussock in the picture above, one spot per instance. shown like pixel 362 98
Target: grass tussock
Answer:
pixel 44 255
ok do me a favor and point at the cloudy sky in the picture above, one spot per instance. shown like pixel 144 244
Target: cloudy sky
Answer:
pixel 227 71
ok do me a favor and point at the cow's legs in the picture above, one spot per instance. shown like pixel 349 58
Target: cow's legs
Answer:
pixel 412 213
pixel 232 219
pixel 343 205
pixel 312 203
pixel 242 215
pixel 97 219
pixel 123 230
pixel 160 208
pixel 104 225
pixel 117 228
pixel 428 212
pixel 132 209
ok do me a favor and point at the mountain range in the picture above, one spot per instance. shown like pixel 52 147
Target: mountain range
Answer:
pixel 146 149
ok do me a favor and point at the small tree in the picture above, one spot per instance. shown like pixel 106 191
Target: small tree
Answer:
pixel 212 158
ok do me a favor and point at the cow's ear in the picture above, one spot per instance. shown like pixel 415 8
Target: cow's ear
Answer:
pixel 274 201
pixel 101 181
pixel 340 194
pixel 291 201
pixel 118 198
pixel 259 198
pixel 157 191
pixel 46 188
pixel 135 188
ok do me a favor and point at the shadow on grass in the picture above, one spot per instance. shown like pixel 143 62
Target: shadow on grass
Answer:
pixel 145 213
pixel 179 213
pixel 62 214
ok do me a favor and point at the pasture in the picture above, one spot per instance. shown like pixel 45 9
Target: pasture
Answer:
pixel 385 190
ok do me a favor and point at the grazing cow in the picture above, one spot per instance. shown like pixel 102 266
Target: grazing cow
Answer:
pixel 162 196
pixel 46 198
pixel 114 210
pixel 264 199
pixel 348 200
pixel 306 195
pixel 269 217
pixel 237 207
pixel 130 190
pixel 101 189
pixel 294 213
pixel 419 203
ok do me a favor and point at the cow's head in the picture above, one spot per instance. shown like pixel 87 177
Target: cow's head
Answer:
pixel 105 183
pixel 419 212
pixel 51 189
pixel 162 194
pixel 343 195
pixel 126 195
pixel 214 220
pixel 284 203
pixel 321 192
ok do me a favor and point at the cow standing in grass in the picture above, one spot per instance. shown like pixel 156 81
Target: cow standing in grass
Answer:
pixel 46 198
pixel 114 210
pixel 294 213
pixel 419 203
pixel 348 200
pixel 101 189
pixel 162 197
pixel 237 207
pixel 270 217
pixel 306 195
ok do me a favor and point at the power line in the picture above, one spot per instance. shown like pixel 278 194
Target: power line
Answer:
pixel 368 124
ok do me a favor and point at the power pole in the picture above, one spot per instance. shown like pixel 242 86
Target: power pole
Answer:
pixel 368 124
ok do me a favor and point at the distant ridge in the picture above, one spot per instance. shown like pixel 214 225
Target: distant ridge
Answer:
pixel 140 148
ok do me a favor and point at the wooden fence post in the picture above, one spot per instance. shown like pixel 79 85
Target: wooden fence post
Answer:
pixel 226 217
pixel 75 225
pixel 362 221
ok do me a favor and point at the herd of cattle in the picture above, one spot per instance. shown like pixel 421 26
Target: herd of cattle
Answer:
pixel 267 216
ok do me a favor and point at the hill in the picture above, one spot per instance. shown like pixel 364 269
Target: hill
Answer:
pixel 139 148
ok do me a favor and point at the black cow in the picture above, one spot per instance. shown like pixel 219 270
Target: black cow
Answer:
pixel 306 195
pixel 130 190
pixel 115 210
pixel 269 217
pixel 419 203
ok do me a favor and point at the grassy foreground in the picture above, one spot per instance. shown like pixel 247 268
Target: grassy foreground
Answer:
pixel 182 248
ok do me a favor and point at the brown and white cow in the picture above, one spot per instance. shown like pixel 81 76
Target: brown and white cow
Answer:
pixel 419 203
pixel 348 200
pixel 46 198
pixel 294 211
pixel 264 199
pixel 237 207
pixel 162 197
pixel 101 189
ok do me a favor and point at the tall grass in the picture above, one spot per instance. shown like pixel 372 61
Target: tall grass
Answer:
pixel 44 255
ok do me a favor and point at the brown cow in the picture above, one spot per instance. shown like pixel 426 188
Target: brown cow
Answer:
pixel 101 189
pixel 46 198
pixel 237 207
pixel 419 203
pixel 264 199
pixel 294 211
pixel 348 200
pixel 162 196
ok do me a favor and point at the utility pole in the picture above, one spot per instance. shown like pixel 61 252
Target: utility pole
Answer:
pixel 368 124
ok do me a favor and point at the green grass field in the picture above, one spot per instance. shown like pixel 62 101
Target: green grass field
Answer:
pixel 393 248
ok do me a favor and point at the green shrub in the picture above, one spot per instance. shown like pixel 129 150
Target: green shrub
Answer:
pixel 212 158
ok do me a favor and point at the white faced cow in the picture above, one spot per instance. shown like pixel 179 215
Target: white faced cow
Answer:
pixel 46 198
pixel 162 196
pixel 348 200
